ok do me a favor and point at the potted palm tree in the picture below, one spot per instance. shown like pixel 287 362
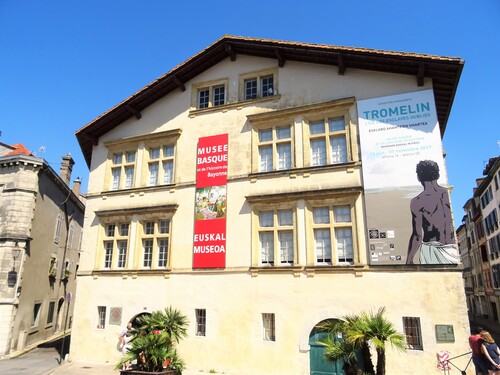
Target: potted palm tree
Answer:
pixel 152 348
pixel 358 331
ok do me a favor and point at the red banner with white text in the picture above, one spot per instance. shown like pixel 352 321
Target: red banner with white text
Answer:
pixel 209 241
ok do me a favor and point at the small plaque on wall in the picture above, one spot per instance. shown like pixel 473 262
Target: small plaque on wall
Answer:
pixel 445 333
pixel 115 316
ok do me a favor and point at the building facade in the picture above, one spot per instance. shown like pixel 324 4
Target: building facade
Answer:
pixel 233 188
pixel 41 223
pixel 483 239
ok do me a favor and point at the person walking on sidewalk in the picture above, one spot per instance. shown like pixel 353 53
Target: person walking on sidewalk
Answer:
pixel 491 352
pixel 479 360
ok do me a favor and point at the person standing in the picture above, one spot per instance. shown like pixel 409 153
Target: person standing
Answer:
pixel 491 352
pixel 124 338
pixel 479 360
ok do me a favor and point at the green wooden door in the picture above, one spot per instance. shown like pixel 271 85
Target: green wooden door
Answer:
pixel 317 364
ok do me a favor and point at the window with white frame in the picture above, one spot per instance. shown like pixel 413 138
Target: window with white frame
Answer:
pixel 213 94
pixel 122 169
pixel 71 234
pixel 155 243
pixel 411 326
pixel 276 237
pixel 332 233
pixel 275 148
pixel 161 165
pixel 201 322
pixel 259 85
pixel 59 225
pixel 101 317
pixel 328 141
pixel 115 244
pixel 268 327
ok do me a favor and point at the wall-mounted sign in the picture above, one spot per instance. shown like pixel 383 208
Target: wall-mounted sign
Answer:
pixel 209 242
pixel 445 333
pixel 407 201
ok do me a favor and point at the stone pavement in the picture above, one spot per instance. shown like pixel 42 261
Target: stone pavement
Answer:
pixel 86 368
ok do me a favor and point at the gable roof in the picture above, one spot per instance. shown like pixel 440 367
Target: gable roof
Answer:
pixel 444 71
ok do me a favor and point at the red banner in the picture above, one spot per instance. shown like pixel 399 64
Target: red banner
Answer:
pixel 209 242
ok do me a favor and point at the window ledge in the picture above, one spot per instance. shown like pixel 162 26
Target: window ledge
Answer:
pixel 139 189
pixel 303 170
pixel 225 107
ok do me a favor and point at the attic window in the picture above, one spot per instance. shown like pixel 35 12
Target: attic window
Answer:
pixel 258 85
pixel 211 95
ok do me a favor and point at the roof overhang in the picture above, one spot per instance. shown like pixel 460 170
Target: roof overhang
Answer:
pixel 444 71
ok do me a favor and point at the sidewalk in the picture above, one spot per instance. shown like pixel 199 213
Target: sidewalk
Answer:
pixel 86 368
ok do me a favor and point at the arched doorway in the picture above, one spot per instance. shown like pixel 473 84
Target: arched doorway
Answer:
pixel 60 314
pixel 317 364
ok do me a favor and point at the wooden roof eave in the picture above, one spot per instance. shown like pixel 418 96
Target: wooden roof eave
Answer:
pixel 445 73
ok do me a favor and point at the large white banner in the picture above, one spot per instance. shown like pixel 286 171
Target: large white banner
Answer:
pixel 406 196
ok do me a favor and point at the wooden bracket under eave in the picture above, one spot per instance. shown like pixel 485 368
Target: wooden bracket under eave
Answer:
pixel 341 64
pixel 179 83
pixel 230 52
pixel 134 111
pixel 279 56
pixel 420 74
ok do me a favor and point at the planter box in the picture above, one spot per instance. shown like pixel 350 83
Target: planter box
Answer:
pixel 137 372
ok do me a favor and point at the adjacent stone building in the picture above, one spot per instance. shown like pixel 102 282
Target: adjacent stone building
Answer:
pixel 41 221
pixel 262 187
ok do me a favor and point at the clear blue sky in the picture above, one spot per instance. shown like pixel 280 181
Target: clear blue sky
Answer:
pixel 63 63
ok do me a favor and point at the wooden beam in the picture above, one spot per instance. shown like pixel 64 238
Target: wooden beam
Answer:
pixel 230 51
pixel 420 74
pixel 279 56
pixel 179 83
pixel 134 111
pixel 341 64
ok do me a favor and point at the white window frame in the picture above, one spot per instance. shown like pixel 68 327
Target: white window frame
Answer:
pixel 58 228
pixel 332 225
pixel 326 136
pixel 201 322
pixel 212 92
pixel 272 138
pixel 157 161
pixel 121 162
pixel 114 235
pixel 101 317
pixel 274 227
pixel 261 89
pixel 154 232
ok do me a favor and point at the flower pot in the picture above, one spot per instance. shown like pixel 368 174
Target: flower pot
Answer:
pixel 137 372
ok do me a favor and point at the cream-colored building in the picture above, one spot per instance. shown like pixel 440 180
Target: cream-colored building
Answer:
pixel 295 240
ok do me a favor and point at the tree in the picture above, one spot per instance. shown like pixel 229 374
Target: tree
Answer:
pixel 153 341
pixel 359 331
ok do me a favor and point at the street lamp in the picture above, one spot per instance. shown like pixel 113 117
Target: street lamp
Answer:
pixel 12 275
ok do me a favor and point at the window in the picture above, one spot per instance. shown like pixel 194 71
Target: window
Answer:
pixel 59 223
pixel 275 148
pixel 122 170
pixel 268 327
pixel 328 141
pixel 155 241
pixel 115 244
pixel 413 333
pixel 50 313
pixel 71 235
pixel 101 317
pixel 161 165
pixel 201 321
pixel 276 237
pixel 36 314
pixel 258 85
pixel 332 228
pixel 211 95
